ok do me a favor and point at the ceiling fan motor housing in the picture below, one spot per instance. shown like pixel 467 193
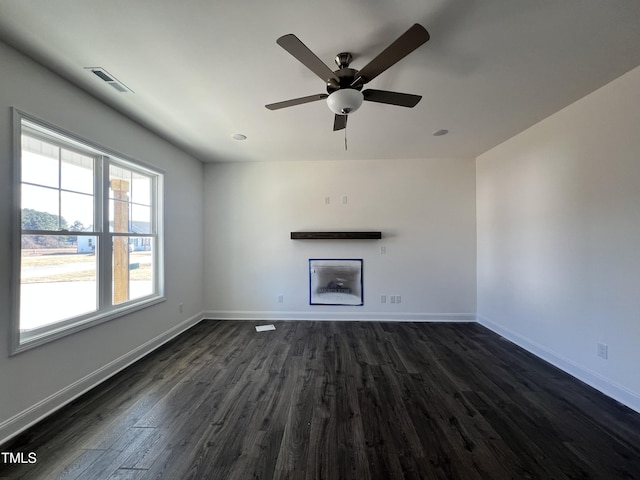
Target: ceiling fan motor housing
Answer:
pixel 346 77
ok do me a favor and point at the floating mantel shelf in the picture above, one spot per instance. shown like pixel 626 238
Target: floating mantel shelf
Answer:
pixel 336 235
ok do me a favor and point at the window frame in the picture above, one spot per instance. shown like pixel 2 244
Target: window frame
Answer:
pixel 106 308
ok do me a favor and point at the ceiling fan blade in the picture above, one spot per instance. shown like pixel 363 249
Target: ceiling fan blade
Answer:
pixel 392 98
pixel 296 101
pixel 403 46
pixel 339 122
pixel 295 47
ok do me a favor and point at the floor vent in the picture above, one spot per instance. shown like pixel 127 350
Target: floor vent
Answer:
pixel 265 328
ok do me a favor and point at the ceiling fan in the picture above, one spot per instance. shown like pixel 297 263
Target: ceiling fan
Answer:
pixel 344 86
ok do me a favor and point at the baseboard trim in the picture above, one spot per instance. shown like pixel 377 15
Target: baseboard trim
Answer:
pixel 342 316
pixel 32 415
pixel 591 378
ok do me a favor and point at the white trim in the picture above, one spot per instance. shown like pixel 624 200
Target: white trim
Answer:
pixel 595 380
pixel 16 234
pixel 35 413
pixel 77 324
pixel 326 315
pixel 85 143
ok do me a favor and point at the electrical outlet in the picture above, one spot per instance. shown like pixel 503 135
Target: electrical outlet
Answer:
pixel 383 299
pixel 398 299
pixel 344 199
pixel 383 250
pixel 327 200
pixel 603 350
pixel 181 307
pixel 393 298
pixel 280 298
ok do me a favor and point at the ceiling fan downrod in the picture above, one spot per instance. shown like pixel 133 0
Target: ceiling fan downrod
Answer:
pixel 343 60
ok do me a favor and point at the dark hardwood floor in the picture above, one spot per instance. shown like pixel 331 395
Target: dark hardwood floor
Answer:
pixel 324 400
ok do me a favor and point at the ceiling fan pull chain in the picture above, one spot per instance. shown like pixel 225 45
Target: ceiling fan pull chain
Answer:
pixel 345 137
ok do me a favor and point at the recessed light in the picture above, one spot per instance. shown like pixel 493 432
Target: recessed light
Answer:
pixel 439 133
pixel 239 136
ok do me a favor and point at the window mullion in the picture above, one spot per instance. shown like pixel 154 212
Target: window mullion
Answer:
pixel 105 243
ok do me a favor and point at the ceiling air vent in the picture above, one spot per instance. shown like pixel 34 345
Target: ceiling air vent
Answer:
pixel 109 79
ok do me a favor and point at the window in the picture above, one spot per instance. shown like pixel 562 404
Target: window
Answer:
pixel 90 236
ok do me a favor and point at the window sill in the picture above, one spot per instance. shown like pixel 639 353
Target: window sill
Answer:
pixel 27 341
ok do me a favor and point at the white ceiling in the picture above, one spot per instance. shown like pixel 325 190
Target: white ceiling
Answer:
pixel 203 70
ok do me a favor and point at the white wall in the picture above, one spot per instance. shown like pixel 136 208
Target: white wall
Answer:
pixel 36 381
pixel 558 212
pixel 424 208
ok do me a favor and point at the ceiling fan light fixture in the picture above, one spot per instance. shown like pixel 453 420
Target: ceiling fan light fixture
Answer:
pixel 345 101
